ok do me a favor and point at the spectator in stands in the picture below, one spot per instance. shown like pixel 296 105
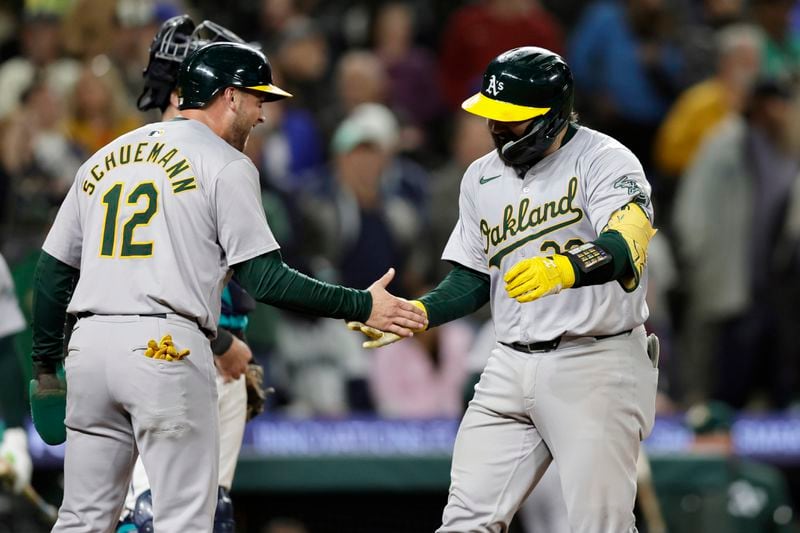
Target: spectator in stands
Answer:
pixel 135 23
pixel 700 108
pixel 89 27
pixel 303 59
pixel 729 208
pixel 359 78
pixel 99 110
pixel 477 32
pixel 319 367
pixel 424 377
pixel 756 494
pixel 287 147
pixel 662 280
pixel 369 211
pixel 697 36
pixel 41 57
pixel 469 141
pixel 412 76
pixel 276 17
pixel 626 69
pixel 38 159
pixel 781 52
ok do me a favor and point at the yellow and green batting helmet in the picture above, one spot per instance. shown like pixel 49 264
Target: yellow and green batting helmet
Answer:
pixel 522 84
pixel 527 83
pixel 215 66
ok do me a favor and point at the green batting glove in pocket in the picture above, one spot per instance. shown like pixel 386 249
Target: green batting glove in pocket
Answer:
pixel 48 395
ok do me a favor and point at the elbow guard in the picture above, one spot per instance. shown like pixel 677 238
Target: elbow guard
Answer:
pixel 632 224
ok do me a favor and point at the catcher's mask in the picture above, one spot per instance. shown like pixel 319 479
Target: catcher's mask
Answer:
pixel 174 41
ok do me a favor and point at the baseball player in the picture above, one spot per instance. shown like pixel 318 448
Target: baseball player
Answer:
pixel 171 44
pixel 154 223
pixel 553 229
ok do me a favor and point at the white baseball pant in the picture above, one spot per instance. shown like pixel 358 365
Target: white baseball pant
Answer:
pixel 121 403
pixel 586 406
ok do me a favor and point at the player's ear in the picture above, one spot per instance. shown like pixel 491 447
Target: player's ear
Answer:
pixel 173 99
pixel 230 97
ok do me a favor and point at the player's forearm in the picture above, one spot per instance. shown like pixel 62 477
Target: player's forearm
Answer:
pixel 625 238
pixel 462 292
pixel 268 279
pixel 618 267
pixel 53 284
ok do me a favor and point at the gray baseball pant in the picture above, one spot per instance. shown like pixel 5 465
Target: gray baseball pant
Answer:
pixel 586 406
pixel 121 403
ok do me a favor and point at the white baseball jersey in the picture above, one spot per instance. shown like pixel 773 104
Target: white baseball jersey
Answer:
pixel 155 219
pixel 11 319
pixel 564 200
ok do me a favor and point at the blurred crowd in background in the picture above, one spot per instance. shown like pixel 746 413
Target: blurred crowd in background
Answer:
pixel 360 171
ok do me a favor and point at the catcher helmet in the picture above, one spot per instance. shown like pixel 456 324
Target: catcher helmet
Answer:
pixel 168 49
pixel 219 65
pixel 143 512
pixel 523 84
pixel 175 40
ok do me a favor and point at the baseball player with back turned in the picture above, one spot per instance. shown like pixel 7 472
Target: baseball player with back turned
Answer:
pixel 154 223
pixel 553 229
pixel 175 39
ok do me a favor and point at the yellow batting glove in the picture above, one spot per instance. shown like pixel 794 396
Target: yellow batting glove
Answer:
pixel 536 277
pixel 378 338
pixel 165 349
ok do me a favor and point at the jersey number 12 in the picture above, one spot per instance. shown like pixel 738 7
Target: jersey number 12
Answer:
pixel 111 199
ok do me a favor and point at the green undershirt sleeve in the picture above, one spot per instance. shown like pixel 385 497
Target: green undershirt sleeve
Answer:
pixel 462 292
pixel 53 283
pixel 269 280
pixel 619 267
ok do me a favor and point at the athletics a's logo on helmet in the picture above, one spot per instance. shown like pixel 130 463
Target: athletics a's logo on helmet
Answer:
pixel 495 86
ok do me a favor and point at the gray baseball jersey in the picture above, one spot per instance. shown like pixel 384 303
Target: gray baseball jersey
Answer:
pixel 562 202
pixel 155 219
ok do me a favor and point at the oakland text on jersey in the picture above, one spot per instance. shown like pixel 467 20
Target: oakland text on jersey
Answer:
pixel 145 152
pixel 560 212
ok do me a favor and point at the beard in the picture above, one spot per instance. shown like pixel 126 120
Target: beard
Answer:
pixel 239 133
pixel 502 139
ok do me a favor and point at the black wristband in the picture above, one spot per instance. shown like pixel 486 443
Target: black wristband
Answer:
pixel 223 341
pixel 45 366
pixel 588 257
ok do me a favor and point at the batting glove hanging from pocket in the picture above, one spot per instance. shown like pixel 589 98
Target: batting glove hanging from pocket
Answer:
pixel 165 349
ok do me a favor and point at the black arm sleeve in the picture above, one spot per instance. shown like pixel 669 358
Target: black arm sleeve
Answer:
pixel 268 279
pixel 620 266
pixel 461 292
pixel 53 283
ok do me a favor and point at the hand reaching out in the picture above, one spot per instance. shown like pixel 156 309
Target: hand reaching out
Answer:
pixel 393 314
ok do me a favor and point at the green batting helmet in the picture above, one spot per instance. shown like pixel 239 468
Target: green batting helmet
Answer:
pixel 523 84
pixel 216 66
